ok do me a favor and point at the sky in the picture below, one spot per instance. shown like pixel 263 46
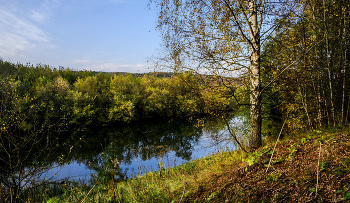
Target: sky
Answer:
pixel 96 35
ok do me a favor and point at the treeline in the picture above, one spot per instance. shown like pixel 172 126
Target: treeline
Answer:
pixel 308 65
pixel 39 94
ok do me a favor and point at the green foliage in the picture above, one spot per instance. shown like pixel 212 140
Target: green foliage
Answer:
pixel 346 195
pixel 273 177
pixel 303 140
pixel 77 98
pixel 292 150
pixel 256 155
pixel 323 165
pixel 279 160
pixel 211 196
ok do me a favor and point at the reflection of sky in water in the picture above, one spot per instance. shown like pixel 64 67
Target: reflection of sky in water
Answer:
pixel 73 171
pixel 206 145
pixel 199 149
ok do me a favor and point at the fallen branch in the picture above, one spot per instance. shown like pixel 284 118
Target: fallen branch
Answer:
pixel 183 193
pixel 275 147
pixel 89 192
pixel 318 167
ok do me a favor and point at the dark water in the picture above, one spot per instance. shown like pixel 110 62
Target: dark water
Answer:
pixel 143 147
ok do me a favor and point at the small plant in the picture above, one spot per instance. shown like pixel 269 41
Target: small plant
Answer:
pixel 254 157
pixel 296 183
pixel 211 196
pixel 251 160
pixel 52 201
pixel 279 160
pixel 303 140
pixel 292 149
pixel 347 193
pixel 266 161
pixel 323 165
pixel 274 177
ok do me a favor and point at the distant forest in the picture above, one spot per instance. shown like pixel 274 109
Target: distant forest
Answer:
pixel 64 99
pixel 155 74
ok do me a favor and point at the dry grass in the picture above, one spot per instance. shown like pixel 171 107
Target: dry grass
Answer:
pixel 293 176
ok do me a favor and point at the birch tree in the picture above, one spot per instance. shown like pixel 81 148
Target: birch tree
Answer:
pixel 223 38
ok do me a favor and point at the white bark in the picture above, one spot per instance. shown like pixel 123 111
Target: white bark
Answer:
pixel 255 97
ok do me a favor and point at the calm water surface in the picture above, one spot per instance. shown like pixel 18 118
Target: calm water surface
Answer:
pixel 145 146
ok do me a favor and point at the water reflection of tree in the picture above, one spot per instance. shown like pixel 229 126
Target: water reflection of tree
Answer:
pixel 226 128
pixel 25 157
pixel 149 140
pixel 145 140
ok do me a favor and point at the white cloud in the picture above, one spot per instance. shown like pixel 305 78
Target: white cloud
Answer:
pixel 17 33
pixel 111 67
pixel 44 11
pixel 39 16
pixel 11 43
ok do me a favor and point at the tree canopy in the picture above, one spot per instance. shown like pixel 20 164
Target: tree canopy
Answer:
pixel 223 38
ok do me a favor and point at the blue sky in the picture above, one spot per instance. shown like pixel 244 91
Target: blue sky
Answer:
pixel 98 35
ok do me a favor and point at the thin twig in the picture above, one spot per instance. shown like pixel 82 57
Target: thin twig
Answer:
pixel 89 192
pixel 275 147
pixel 318 167
pixel 183 193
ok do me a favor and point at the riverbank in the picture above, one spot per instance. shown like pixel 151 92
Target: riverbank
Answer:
pixel 299 172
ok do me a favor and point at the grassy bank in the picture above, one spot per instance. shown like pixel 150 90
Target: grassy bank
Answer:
pixel 296 167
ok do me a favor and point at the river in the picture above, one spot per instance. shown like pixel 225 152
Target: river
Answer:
pixel 141 147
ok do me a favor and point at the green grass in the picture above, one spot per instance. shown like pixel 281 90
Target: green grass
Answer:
pixel 164 185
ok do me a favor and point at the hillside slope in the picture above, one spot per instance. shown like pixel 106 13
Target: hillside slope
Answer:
pixel 292 177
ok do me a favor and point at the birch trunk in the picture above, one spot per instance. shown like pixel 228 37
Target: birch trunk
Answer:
pixel 255 98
